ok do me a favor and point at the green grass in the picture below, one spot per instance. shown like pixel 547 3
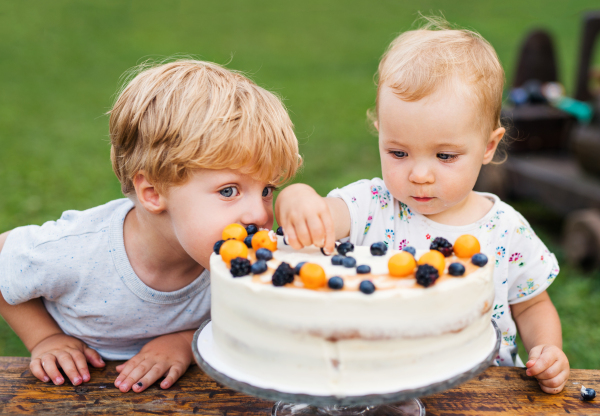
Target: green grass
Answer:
pixel 61 63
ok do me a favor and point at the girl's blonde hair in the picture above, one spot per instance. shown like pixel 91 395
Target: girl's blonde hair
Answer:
pixel 420 61
pixel 188 114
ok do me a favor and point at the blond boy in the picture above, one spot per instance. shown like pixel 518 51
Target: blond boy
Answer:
pixel 195 147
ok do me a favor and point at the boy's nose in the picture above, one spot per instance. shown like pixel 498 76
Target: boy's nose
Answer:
pixel 421 173
pixel 256 213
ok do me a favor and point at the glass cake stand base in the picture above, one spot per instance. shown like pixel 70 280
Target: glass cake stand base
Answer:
pixel 412 407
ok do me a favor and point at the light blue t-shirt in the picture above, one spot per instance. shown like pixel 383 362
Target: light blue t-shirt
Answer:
pixel 79 266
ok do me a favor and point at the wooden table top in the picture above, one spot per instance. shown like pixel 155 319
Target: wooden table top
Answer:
pixel 498 390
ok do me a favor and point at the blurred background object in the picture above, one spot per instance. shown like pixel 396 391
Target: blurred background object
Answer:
pixel 62 61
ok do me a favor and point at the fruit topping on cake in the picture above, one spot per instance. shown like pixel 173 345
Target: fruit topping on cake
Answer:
pixel 456 269
pixel 248 241
pixel 264 254
pixel 363 269
pixel 284 274
pixel 313 276
pixel 442 245
pixel 379 249
pixel 434 258
pixel 217 246
pixel 298 267
pixel 349 262
pixel 259 267
pixel 426 275
pixel 264 239
pixel 279 231
pixel 337 260
pixel 234 231
pixel 335 283
pixel 251 229
pixel 367 287
pixel 479 259
pixel 240 267
pixel 231 249
pixel 402 264
pixel 345 248
pixel 410 250
pixel 466 246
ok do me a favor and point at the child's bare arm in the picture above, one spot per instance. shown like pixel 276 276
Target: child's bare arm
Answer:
pixel 308 218
pixel 48 345
pixel 168 355
pixel 540 330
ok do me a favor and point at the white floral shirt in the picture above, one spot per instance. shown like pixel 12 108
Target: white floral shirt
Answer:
pixel 524 266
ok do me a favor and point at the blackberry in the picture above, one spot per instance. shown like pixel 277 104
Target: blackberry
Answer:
pixel 363 269
pixel 279 231
pixel 284 274
pixel 349 262
pixel 259 267
pixel 248 241
pixel 367 287
pixel 442 245
pixel 217 246
pixel 264 254
pixel 410 250
pixel 240 267
pixel 587 394
pixel 251 229
pixel 344 248
pixel 378 249
pixel 456 269
pixel 335 282
pixel 479 259
pixel 426 275
pixel 298 267
pixel 337 260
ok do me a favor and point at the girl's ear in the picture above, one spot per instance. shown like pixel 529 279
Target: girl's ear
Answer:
pixel 492 144
pixel 147 194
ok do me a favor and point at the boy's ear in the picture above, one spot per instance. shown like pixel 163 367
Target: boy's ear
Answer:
pixel 147 194
pixel 492 144
pixel 376 125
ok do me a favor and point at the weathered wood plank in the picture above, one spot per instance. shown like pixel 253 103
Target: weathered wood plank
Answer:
pixel 498 390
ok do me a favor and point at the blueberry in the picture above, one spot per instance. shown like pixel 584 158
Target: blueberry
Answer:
pixel 442 245
pixel 426 275
pixel 349 262
pixel 284 274
pixel 363 269
pixel 279 231
pixel 240 267
pixel 410 250
pixel 264 254
pixel 251 229
pixel 479 259
pixel 344 248
pixel 337 260
pixel 587 394
pixel 259 267
pixel 217 246
pixel 336 283
pixel 298 267
pixel 367 287
pixel 248 241
pixel 456 269
pixel 378 249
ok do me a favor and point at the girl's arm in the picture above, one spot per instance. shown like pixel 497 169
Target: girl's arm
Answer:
pixel 539 326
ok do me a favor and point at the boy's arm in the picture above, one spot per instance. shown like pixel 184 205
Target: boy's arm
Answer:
pixel 539 326
pixel 46 341
pixel 308 218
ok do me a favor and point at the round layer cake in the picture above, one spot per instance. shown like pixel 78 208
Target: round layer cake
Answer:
pixel 345 342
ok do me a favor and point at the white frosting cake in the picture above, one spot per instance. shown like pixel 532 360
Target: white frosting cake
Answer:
pixel 346 342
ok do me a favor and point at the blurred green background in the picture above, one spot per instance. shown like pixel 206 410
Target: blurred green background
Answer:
pixel 61 62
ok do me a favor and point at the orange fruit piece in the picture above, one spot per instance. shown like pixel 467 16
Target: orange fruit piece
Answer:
pixel 434 258
pixel 466 246
pixel 235 231
pixel 313 276
pixel 231 249
pixel 264 239
pixel 402 264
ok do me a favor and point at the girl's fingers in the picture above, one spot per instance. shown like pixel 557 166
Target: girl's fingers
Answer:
pixel 48 362
pixel 81 364
pixel 67 363
pixel 94 358
pixel 302 233
pixel 36 369
pixel 543 362
pixel 174 373
pixel 126 368
pixel 329 246
pixel 135 375
pixel 156 372
pixel 555 382
pixel 291 238
pixel 316 230
pixel 550 372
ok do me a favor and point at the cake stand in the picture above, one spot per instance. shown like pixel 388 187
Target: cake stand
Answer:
pixel 401 403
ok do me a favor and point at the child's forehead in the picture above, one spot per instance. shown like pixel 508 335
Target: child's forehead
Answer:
pixel 235 175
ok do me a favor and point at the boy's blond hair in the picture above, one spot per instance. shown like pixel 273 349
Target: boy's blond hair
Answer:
pixel 418 62
pixel 188 114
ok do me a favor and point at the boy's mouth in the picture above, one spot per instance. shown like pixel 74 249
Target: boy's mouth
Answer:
pixel 422 199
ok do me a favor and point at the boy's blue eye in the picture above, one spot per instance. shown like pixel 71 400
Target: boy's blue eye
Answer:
pixel 268 191
pixel 399 155
pixel 228 192
pixel 446 156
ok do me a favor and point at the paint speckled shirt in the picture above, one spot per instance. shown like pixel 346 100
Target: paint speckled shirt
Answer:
pixel 79 266
pixel 524 267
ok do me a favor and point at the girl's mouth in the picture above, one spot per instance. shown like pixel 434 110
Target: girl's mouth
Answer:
pixel 422 199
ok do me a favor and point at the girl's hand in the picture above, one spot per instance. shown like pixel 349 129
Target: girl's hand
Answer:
pixel 68 353
pixel 550 366
pixel 168 355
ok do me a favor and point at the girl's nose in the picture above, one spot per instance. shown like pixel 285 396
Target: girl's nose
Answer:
pixel 421 174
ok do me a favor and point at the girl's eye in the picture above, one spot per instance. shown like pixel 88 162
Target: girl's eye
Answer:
pixel 446 157
pixel 399 155
pixel 268 191
pixel 229 192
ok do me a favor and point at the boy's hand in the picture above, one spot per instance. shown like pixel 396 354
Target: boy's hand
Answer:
pixel 305 218
pixel 168 355
pixel 550 366
pixel 68 353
